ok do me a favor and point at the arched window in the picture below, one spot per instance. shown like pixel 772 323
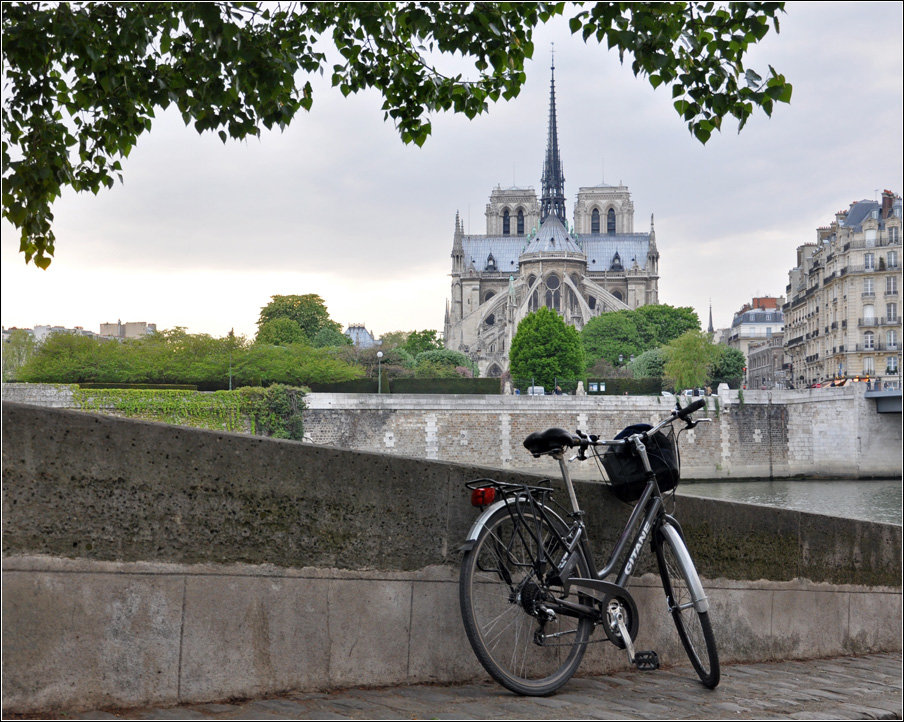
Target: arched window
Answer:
pixel 618 295
pixel 572 300
pixel 591 301
pixel 530 280
pixel 494 372
pixel 506 223
pixel 520 222
pixel 488 296
pixel 595 221
pixel 610 221
pixel 490 320
pixel 869 341
pixel 553 294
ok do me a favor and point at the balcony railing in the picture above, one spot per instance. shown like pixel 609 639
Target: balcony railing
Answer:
pixel 877 321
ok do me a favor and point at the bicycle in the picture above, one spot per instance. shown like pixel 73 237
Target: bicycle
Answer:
pixel 530 596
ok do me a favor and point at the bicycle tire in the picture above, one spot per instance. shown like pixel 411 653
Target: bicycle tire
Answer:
pixel 694 627
pixel 498 584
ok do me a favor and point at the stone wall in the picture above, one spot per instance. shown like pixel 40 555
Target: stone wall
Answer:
pixel 818 432
pixel 152 564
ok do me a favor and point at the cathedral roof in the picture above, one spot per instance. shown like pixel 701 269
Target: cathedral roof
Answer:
pixel 598 248
pixel 504 250
pixel 552 238
pixel 601 248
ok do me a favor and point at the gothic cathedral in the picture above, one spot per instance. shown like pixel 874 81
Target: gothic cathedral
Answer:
pixel 529 258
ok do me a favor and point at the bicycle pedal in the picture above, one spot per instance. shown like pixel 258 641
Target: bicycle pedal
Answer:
pixel 646 661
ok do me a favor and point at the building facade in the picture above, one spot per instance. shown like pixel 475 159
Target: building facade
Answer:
pixel 130 329
pixel 531 257
pixel 766 366
pixel 757 331
pixel 843 310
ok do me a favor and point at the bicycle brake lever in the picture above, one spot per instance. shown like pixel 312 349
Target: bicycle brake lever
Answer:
pixel 692 424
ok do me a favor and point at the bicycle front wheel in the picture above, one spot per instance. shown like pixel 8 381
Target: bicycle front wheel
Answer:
pixel 507 592
pixel 682 589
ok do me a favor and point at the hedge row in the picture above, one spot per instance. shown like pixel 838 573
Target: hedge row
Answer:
pixel 413 386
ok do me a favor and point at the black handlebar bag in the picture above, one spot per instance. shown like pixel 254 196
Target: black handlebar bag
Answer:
pixel 623 465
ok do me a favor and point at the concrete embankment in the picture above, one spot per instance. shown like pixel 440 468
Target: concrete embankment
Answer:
pixel 151 564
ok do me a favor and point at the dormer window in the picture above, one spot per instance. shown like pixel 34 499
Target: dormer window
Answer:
pixel 616 264
pixel 491 262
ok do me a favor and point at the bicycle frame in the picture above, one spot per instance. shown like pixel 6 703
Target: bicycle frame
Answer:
pixel 529 582
pixel 646 515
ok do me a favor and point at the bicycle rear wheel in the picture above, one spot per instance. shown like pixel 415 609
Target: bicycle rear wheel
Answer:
pixel 679 579
pixel 504 591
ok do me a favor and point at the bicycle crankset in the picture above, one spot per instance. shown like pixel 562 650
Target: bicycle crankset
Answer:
pixel 620 620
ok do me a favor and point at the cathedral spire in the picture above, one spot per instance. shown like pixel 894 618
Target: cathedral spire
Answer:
pixel 553 182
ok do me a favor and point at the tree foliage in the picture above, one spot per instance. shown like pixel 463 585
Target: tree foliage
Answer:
pixel 19 347
pixel 689 360
pixel 420 341
pixel 650 364
pixel 83 81
pixel 176 357
pixel 728 366
pixel 611 335
pixel 308 311
pixel 545 349
pixel 279 331
pixel 393 339
pixel 630 333
pixel 330 337
pixel 658 324
pixel 445 363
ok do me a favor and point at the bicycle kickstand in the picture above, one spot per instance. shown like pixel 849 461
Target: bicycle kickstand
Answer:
pixel 644 661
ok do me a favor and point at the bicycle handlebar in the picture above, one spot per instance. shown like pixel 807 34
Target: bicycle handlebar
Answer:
pixel 691 408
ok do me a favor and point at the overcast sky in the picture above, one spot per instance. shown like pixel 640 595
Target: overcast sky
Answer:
pixel 201 234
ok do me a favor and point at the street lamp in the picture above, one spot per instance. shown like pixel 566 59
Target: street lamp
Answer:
pixel 379 372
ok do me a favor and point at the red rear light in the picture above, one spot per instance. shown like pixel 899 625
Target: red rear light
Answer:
pixel 483 496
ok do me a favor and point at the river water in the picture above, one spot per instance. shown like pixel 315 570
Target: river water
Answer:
pixel 854 499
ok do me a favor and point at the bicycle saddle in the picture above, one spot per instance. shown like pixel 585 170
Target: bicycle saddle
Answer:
pixel 554 439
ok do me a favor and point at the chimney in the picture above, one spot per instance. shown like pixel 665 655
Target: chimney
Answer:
pixel 888 198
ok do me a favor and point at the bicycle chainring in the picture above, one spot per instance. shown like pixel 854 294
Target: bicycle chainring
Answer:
pixel 623 605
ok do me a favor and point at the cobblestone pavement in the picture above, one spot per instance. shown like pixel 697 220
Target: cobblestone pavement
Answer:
pixel 866 687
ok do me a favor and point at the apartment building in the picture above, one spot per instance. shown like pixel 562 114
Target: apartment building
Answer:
pixel 756 322
pixel 842 314
pixel 130 329
pixel 766 366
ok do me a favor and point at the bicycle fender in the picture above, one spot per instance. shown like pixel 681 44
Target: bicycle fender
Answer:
pixel 701 603
pixel 485 515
